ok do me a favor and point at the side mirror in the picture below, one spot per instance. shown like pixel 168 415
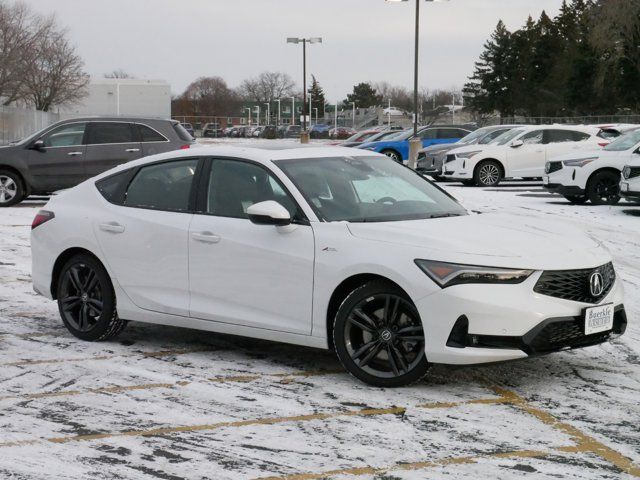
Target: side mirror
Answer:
pixel 269 213
pixel 38 145
pixel 517 143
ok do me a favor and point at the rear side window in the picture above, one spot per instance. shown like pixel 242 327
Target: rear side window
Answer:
pixel 101 133
pixel 163 186
pixel 428 134
pixel 112 188
pixel 148 134
pixel 182 133
pixel 580 136
pixel 450 133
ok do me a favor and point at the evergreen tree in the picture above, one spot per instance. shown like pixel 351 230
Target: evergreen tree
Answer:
pixel 317 97
pixel 364 96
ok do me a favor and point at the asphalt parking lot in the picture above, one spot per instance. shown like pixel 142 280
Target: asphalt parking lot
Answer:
pixel 168 403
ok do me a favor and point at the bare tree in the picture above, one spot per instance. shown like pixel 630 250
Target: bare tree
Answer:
pixel 207 96
pixel 55 76
pixel 268 86
pixel 118 73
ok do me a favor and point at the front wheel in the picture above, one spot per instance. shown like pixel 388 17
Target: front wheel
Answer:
pixel 488 174
pixel 86 300
pixel 379 337
pixel 393 155
pixel 11 188
pixel 604 188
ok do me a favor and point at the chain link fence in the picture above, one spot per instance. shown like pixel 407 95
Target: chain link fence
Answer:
pixel 17 123
pixel 585 120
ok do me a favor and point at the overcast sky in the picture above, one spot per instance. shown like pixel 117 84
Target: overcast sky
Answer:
pixel 364 40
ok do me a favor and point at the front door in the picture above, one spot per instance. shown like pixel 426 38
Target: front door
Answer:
pixel 59 163
pixel 145 240
pixel 243 273
pixel 110 144
pixel 528 159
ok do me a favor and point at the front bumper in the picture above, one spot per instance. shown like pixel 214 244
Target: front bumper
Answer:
pixel 627 193
pixel 503 320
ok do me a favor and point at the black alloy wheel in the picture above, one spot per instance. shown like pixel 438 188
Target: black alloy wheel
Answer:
pixel 604 188
pixel 86 300
pixel 379 337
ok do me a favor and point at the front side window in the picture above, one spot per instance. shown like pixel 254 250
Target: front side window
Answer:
pixel 448 133
pixel 428 134
pixel 102 133
pixel 163 186
pixel 358 189
pixel 70 135
pixel 533 138
pixel 234 186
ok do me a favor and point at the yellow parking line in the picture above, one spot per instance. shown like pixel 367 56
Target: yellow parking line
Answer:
pixel 356 471
pixel 163 353
pixel 586 443
pixel 242 423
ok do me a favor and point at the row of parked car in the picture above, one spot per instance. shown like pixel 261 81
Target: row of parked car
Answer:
pixel 581 162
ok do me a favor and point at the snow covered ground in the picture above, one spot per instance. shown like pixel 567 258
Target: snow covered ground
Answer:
pixel 167 403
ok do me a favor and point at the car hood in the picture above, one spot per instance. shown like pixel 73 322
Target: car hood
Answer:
pixel 472 148
pixel 496 240
pixel 591 153
pixel 435 149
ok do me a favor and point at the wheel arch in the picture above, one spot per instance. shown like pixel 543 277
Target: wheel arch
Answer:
pixel 391 149
pixel 21 176
pixel 490 159
pixel 62 259
pixel 342 291
pixel 613 170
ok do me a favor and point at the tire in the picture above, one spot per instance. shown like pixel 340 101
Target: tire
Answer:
pixel 469 183
pixel 488 174
pixel 576 199
pixel 11 188
pixel 379 352
pixel 86 300
pixel 604 188
pixel 393 155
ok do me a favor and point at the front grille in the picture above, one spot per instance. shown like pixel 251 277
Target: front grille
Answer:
pixel 551 167
pixel 631 172
pixel 575 285
pixel 450 158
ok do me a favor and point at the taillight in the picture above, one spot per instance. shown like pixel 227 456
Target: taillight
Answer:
pixel 185 147
pixel 603 144
pixel 42 216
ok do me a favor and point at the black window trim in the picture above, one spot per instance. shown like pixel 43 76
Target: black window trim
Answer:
pixel 203 186
pixel 122 191
pixel 85 136
pixel 138 133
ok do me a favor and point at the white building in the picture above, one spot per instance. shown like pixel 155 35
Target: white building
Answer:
pixel 126 97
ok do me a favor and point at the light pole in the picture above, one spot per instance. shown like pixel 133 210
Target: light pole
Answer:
pixel 304 136
pixel 354 115
pixel 247 108
pixel 335 116
pixel 268 122
pixel 415 144
pixel 316 115
pixel 293 110
pixel 258 115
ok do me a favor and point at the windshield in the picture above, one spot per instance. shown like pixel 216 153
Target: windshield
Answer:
pixel 473 137
pixel 625 142
pixel 367 189
pixel 386 136
pixel 506 137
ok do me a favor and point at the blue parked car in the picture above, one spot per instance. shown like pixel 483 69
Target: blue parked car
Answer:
pixel 398 147
pixel 319 130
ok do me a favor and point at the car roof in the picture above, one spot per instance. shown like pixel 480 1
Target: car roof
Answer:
pixel 96 118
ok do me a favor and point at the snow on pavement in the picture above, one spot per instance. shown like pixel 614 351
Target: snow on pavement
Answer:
pixel 170 403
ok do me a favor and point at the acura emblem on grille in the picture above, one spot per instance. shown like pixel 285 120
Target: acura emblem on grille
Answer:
pixel 596 284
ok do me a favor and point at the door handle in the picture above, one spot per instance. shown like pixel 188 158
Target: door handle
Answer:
pixel 130 150
pixel 206 237
pixel 74 154
pixel 112 227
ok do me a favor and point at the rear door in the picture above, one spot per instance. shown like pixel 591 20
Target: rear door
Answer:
pixel 528 159
pixel 449 135
pixel 110 144
pixel 152 141
pixel 60 163
pixel 560 142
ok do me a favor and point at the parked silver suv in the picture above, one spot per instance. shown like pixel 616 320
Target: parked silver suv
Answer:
pixel 71 151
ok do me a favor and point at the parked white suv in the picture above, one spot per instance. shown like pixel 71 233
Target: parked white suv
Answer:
pixel 593 175
pixel 630 183
pixel 519 153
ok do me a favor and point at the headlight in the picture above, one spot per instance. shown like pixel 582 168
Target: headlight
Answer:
pixel 449 274
pixel 579 163
pixel 626 172
pixel 467 154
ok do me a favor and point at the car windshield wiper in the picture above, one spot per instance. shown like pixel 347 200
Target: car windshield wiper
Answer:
pixel 443 215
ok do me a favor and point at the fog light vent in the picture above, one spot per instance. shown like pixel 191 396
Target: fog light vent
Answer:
pixel 459 332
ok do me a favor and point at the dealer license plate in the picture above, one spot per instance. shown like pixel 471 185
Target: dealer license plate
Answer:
pixel 598 319
pixel 545 180
pixel 624 187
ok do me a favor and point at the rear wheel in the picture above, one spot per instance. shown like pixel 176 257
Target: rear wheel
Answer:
pixel 576 199
pixel 86 300
pixel 11 188
pixel 392 154
pixel 488 174
pixel 379 336
pixel 604 188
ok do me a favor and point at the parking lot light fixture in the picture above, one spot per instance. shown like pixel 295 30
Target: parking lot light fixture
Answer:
pixel 304 136
pixel 293 110
pixel 278 124
pixel 415 143
pixel 268 122
pixel 250 111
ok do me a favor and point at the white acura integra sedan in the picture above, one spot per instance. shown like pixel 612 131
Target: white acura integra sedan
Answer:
pixel 325 247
